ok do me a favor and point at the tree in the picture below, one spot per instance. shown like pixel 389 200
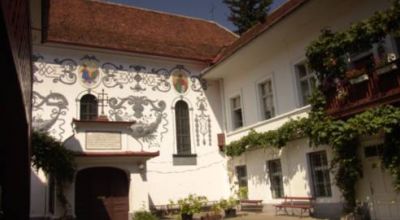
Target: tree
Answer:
pixel 246 13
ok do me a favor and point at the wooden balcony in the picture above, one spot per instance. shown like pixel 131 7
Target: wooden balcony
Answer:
pixel 378 86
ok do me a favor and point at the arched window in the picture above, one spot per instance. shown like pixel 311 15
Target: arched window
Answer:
pixel 182 128
pixel 88 107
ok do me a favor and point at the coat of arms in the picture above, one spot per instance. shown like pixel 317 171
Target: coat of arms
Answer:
pixel 89 74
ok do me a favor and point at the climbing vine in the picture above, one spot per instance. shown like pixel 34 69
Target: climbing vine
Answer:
pixel 328 56
pixel 56 161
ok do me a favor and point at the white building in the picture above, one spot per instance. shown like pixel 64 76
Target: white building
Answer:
pixel 140 96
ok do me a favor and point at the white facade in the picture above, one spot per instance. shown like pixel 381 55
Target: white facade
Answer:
pixel 56 104
pixel 136 84
pixel 274 55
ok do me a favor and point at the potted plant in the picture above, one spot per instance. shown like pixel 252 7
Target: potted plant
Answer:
pixel 229 206
pixel 191 205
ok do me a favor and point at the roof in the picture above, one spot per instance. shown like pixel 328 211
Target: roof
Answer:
pixel 118 154
pixel 124 28
pixel 273 18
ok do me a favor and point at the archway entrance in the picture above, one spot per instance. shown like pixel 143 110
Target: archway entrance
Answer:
pixel 101 194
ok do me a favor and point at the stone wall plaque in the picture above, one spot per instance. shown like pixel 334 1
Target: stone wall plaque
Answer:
pixel 99 140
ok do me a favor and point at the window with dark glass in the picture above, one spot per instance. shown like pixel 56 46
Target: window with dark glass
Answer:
pixel 182 128
pixel 275 178
pixel 241 174
pixel 306 82
pixel 237 117
pixel 320 174
pixel 267 99
pixel 89 107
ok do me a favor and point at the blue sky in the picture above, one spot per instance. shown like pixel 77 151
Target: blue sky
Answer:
pixel 214 10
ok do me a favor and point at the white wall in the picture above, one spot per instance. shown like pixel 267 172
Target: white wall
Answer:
pixel 164 180
pixel 274 54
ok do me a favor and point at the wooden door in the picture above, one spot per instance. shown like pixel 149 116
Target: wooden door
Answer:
pixel 101 194
pixel 384 201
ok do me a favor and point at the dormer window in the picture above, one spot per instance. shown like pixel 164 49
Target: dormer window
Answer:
pixel 88 106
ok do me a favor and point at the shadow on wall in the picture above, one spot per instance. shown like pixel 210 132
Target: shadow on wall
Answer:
pixel 39 196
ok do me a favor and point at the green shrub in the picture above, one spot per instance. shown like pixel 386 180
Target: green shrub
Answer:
pixel 144 215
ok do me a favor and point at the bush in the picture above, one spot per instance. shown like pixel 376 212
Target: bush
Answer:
pixel 144 215
pixel 192 204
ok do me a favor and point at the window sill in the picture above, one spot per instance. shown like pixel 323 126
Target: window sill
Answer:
pixel 184 155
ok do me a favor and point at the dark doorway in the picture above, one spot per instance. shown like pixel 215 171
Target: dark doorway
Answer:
pixel 102 194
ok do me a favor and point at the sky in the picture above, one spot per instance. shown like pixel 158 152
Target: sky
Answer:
pixel 214 10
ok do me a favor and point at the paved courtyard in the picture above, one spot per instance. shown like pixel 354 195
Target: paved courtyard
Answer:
pixel 255 216
pixel 267 216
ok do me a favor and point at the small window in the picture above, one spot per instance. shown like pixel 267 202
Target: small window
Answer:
pixel 320 174
pixel 89 107
pixel 241 174
pixel 267 99
pixel 237 117
pixel 306 82
pixel 182 128
pixel 275 178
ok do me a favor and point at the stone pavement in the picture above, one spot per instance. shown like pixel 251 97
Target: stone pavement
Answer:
pixel 267 216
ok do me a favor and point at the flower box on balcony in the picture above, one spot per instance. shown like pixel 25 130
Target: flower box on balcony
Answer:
pixel 359 79
pixel 386 68
pixel 356 75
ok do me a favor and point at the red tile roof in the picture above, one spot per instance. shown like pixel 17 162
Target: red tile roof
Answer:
pixel 118 154
pixel 112 26
pixel 272 19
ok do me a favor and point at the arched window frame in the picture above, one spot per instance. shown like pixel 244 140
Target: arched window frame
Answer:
pixel 190 152
pixel 88 115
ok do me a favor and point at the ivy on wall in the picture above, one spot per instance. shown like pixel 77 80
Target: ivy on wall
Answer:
pixel 56 161
pixel 328 56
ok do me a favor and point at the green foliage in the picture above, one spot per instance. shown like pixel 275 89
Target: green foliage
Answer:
pixel 228 203
pixel 328 57
pixel 328 54
pixel 246 13
pixel 192 204
pixel 243 192
pixel 49 155
pixel 342 136
pixel 144 215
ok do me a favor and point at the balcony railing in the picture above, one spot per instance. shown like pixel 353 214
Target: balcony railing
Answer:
pixel 376 87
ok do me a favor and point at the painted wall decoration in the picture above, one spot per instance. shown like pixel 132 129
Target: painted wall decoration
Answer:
pixel 180 80
pixel 89 74
pixel 158 79
pixel 47 111
pixel 116 76
pixel 198 84
pixel 151 119
pixel 202 123
pixel 63 73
